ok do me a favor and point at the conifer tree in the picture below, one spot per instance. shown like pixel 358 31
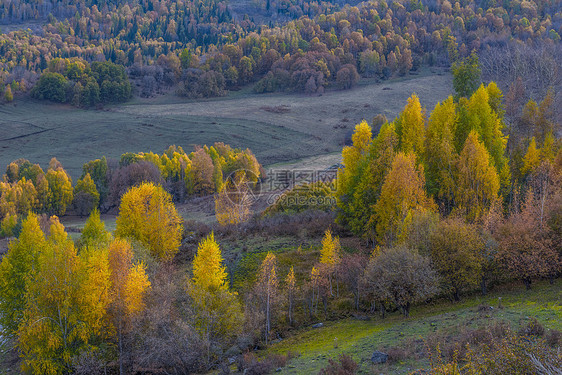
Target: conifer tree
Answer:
pixel 531 160
pixel 440 153
pixel 480 116
pixel 410 127
pixel 218 314
pixel 267 289
pixel 330 252
pixel 351 158
pixel 291 284
pixel 330 256
pixel 208 270
pixel 477 180
pixel 14 269
pixel 371 173
pixel 402 193
pixel 94 233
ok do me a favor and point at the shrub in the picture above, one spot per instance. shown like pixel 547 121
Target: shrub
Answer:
pixel 554 338
pixel 401 277
pixel 496 355
pixel 533 328
pixel 344 365
pixel 397 354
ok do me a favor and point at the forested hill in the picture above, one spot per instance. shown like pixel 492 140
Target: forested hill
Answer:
pixel 206 48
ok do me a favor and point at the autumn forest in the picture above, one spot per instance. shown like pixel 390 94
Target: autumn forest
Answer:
pixel 431 242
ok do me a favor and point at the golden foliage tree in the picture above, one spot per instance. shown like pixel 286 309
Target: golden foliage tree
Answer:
pixel 94 233
pixel 370 174
pixel 330 256
pixel 17 197
pixel 208 271
pixel 440 153
pixel 200 178
pixel 60 185
pixel 129 284
pixel 147 214
pixel 330 252
pixel 44 194
pixel 410 127
pixel 532 159
pixel 61 319
pixel 8 95
pixel 267 289
pixel 351 156
pixel 480 116
pixel 291 285
pixel 402 193
pixel 477 181
pixel 217 311
pixel 20 259
pixel 348 177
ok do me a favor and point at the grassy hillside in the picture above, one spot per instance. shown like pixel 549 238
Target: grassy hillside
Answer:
pixel 275 127
pixel 440 322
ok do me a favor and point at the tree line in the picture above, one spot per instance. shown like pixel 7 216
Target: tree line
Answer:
pixel 160 44
pixel 27 188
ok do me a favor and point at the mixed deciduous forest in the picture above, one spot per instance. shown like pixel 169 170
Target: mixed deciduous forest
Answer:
pixel 432 245
pixel 203 49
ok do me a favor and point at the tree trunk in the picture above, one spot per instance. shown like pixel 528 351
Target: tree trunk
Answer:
pixel 483 286
pixel 527 282
pixel 406 309
pixel 121 372
pixel 267 320
pixel 456 295
pixel 290 309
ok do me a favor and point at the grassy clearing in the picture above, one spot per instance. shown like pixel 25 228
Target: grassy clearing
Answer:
pixel 311 125
pixel 360 338
pixel 38 131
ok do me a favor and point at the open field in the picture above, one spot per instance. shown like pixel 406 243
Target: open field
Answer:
pixel 360 338
pixel 277 127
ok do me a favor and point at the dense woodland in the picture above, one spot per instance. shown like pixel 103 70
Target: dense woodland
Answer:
pixel 435 205
pixel 314 46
